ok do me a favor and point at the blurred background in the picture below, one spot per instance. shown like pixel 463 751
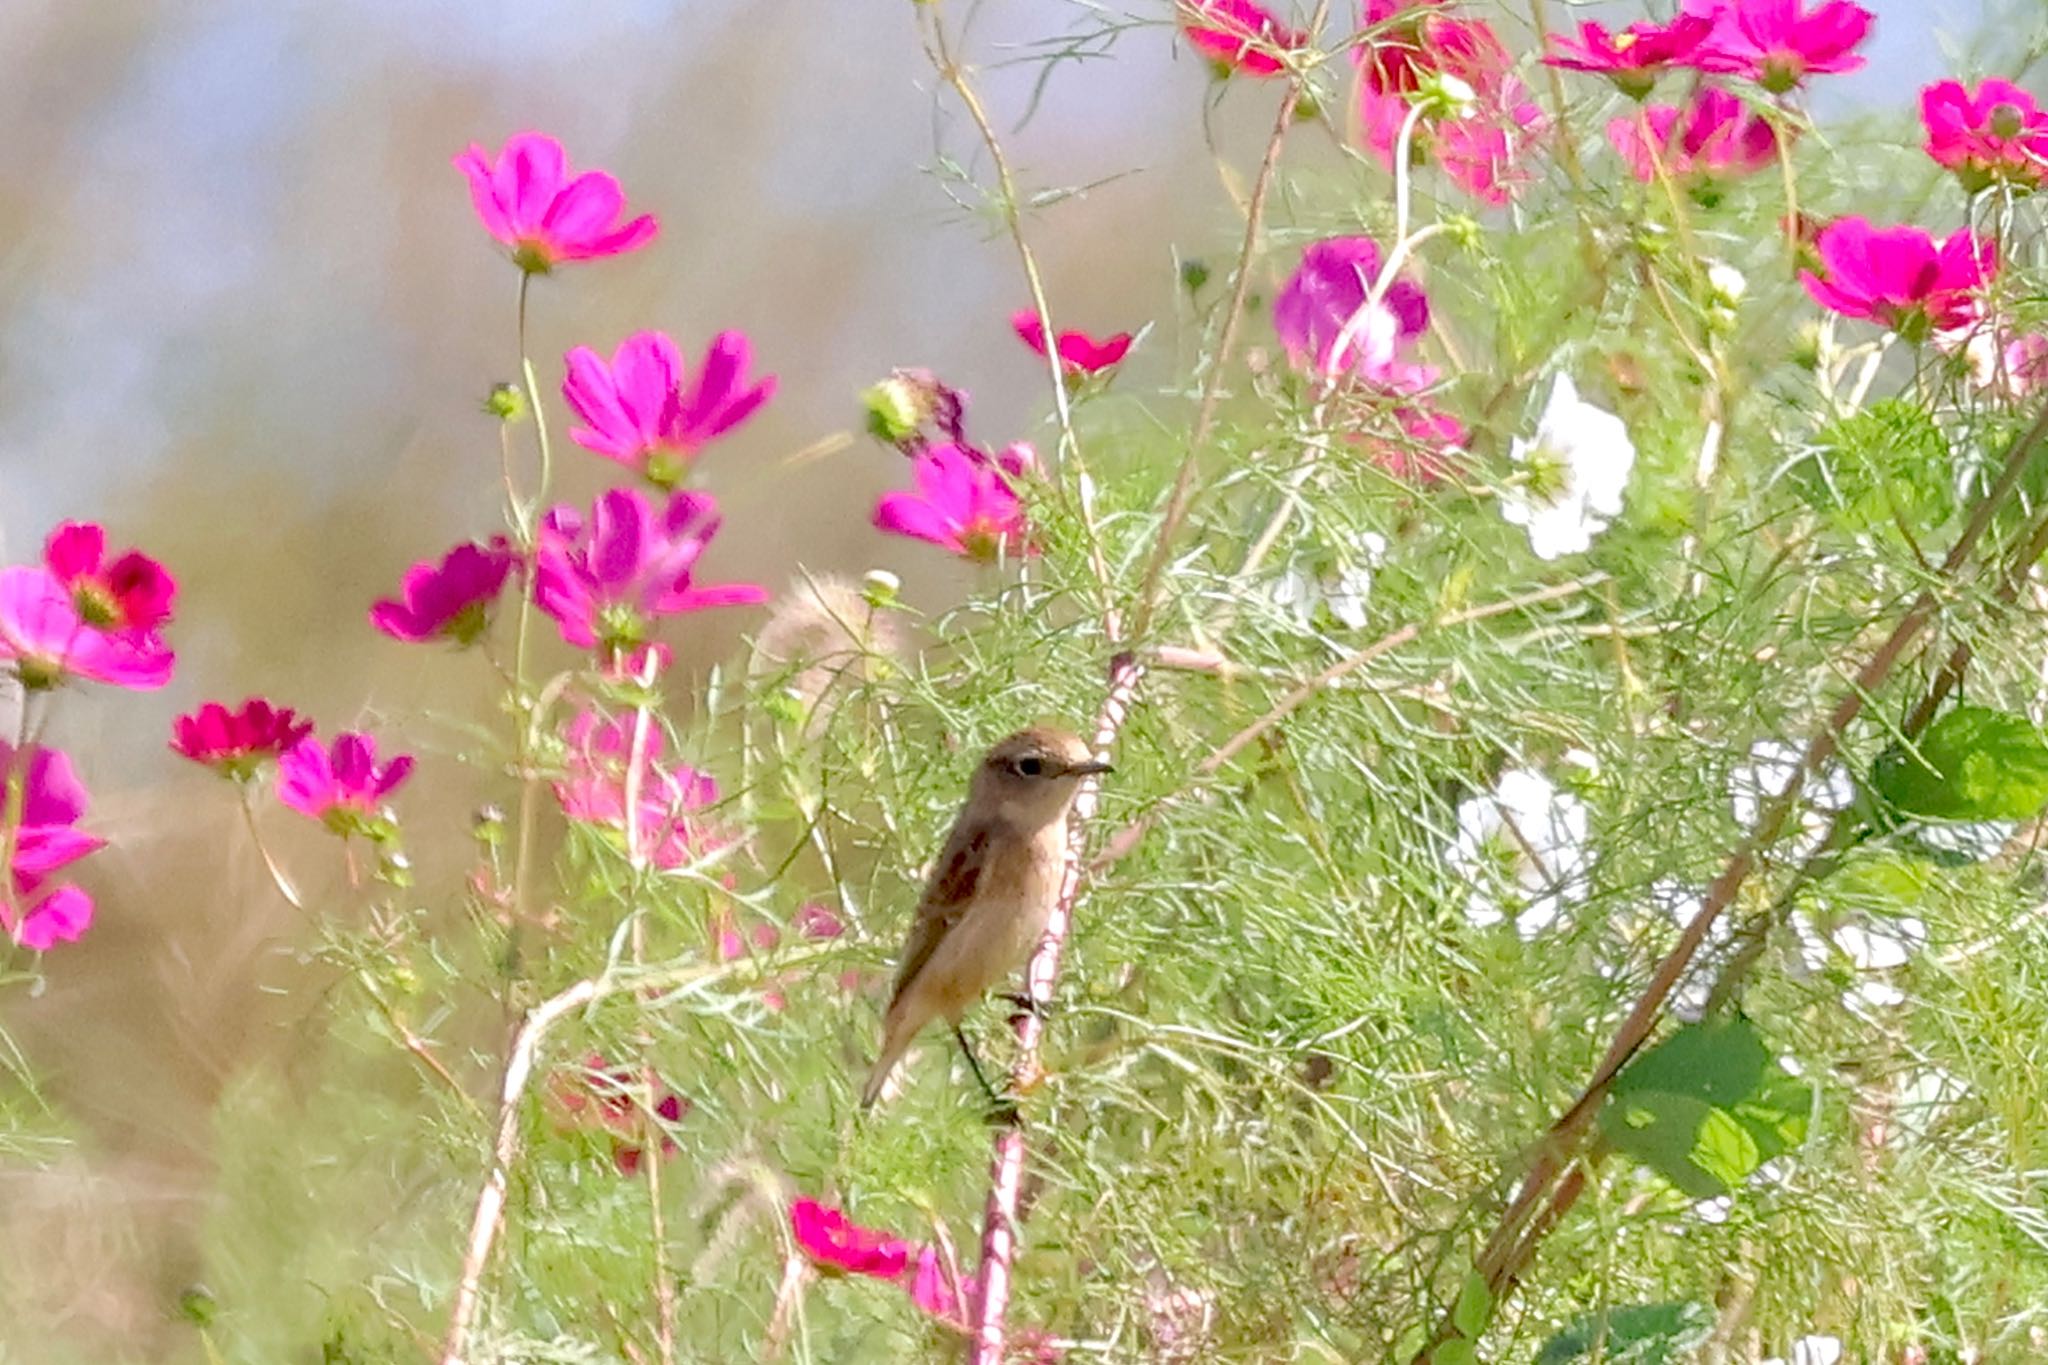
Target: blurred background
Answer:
pixel 247 318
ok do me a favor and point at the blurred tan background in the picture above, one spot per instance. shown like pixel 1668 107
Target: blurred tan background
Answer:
pixel 246 319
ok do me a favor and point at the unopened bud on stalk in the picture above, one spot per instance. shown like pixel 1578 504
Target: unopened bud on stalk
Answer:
pixel 507 403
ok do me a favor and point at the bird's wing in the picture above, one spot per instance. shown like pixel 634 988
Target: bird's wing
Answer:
pixel 946 898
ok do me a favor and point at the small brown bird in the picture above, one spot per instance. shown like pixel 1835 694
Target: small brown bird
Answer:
pixel 990 892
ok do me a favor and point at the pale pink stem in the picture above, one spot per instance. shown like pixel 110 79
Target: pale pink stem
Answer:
pixel 1006 1169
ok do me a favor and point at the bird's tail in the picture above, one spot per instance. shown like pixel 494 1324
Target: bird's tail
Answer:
pixel 896 1040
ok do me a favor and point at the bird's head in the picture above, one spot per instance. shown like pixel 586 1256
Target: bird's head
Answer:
pixel 1030 778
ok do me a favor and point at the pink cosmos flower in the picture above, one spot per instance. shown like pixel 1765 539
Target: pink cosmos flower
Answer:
pixel 605 581
pixel 1901 276
pixel 1481 151
pixel 1711 140
pixel 235 743
pixel 35 912
pixel 840 1246
pixel 1777 43
pixel 344 786
pixel 1331 327
pixel 1431 443
pixel 672 830
pixel 818 922
pixel 1080 354
pixel 635 410
pixel 529 201
pixel 963 503
pixel 597 1094
pixel 451 600
pixel 1634 58
pixel 47 639
pixel 132 593
pixel 1999 363
pixel 1998 133
pixel 1238 35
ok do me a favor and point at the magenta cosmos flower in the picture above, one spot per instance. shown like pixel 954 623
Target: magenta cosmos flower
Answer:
pixel 673 829
pixel 962 503
pixel 606 580
pixel 1997 133
pixel 35 911
pixel 236 743
pixel 597 1094
pixel 1633 58
pixel 1901 276
pixel 1713 139
pixel 1413 47
pixel 837 1244
pixel 635 410
pixel 344 786
pixel 1779 43
pixel 47 640
pixel 129 593
pixel 1333 328
pixel 529 201
pixel 1080 354
pixel 451 600
pixel 1238 35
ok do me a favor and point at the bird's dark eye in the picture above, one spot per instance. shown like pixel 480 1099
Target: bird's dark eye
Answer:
pixel 1031 767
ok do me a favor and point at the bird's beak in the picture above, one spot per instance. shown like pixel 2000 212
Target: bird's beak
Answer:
pixel 1088 768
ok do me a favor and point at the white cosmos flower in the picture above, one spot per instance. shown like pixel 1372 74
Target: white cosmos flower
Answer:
pixel 1345 594
pixel 1873 946
pixel 1810 1351
pixel 1979 841
pixel 1522 849
pixel 1770 768
pixel 1924 1098
pixel 1576 468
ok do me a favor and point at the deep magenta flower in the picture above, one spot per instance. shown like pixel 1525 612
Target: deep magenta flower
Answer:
pixel 605 581
pixel 1482 145
pixel 529 201
pixel 451 600
pixel 1713 139
pixel 1080 354
pixel 840 1246
pixel 44 636
pixel 1332 327
pixel 963 503
pixel 1430 445
pixel 36 912
pixel 1633 58
pixel 130 593
pixel 1997 133
pixel 635 410
pixel 1238 35
pixel 1901 276
pixel 236 743
pixel 599 1095
pixel 1778 43
pixel 343 786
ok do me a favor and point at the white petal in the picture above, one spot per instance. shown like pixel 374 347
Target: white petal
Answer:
pixel 1879 945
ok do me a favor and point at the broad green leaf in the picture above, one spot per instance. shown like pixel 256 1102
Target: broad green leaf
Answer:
pixel 1972 764
pixel 1705 1108
pixel 1640 1334
pixel 1475 1306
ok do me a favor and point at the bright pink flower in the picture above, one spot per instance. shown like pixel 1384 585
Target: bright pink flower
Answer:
pixel 817 922
pixel 451 600
pixel 931 1288
pixel 1634 58
pixel 597 1094
pixel 962 503
pixel 1238 35
pixel 1999 133
pixel 672 830
pixel 2003 365
pixel 1482 151
pixel 47 639
pixel 837 1245
pixel 1776 43
pixel 132 593
pixel 36 913
pixel 343 787
pixel 1901 276
pixel 1431 443
pixel 529 201
pixel 1079 352
pixel 606 581
pixel 235 743
pixel 635 411
pixel 1712 140
pixel 1332 327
